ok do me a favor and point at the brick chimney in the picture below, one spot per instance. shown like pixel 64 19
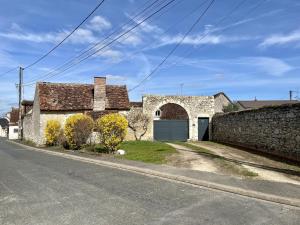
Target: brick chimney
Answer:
pixel 99 93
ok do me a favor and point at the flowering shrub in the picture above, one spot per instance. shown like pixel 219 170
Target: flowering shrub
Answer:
pixel 77 130
pixel 113 129
pixel 52 132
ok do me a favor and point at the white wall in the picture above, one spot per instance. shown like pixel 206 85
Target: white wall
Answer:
pixel 3 132
pixel 13 132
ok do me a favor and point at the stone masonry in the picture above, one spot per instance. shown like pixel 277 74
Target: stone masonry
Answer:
pixel 274 129
pixel 195 106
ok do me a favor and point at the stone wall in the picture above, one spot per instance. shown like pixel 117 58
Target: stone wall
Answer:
pixel 28 132
pixel 195 106
pixel 274 130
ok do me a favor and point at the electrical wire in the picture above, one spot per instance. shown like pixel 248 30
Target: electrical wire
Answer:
pixel 173 49
pixel 78 61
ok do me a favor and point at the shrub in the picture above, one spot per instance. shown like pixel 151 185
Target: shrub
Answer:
pixel 113 129
pixel 78 128
pixel 138 122
pixel 52 132
pixel 231 107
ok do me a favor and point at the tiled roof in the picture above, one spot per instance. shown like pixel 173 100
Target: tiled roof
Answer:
pixel 76 97
pixel 3 122
pixel 262 103
pixel 27 102
pixel 116 97
pixel 14 116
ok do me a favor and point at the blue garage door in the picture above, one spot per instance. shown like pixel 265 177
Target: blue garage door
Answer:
pixel 171 130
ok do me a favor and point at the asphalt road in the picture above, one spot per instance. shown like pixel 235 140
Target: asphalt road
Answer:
pixel 37 188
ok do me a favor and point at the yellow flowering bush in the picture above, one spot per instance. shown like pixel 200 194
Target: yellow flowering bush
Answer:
pixel 77 130
pixel 52 132
pixel 112 129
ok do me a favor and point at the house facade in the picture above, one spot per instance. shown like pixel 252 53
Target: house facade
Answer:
pixel 60 100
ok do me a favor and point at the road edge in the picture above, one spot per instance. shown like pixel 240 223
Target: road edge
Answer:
pixel 171 177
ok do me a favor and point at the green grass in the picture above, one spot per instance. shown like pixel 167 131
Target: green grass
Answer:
pixel 147 151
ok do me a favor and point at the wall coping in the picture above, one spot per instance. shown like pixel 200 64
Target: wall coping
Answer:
pixel 288 105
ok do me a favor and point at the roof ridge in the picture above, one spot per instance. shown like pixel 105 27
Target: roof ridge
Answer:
pixel 67 84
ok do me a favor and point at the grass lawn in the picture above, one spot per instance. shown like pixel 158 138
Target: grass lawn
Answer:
pixel 147 151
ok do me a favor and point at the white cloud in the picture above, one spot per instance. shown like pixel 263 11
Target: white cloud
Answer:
pixel 281 39
pixel 115 77
pixel 201 39
pixel 110 54
pixel 99 23
pixel 133 38
pixel 271 66
pixel 80 36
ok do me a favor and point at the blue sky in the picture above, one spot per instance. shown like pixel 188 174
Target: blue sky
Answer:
pixel 252 53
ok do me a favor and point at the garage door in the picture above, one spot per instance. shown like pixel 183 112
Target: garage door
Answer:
pixel 171 130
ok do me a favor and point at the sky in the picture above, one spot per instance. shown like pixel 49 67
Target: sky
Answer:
pixel 245 48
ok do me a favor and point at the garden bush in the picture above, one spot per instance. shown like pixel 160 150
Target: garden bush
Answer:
pixel 77 130
pixel 112 129
pixel 52 132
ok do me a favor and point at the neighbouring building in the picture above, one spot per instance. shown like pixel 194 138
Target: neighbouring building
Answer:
pixel 255 104
pixel 3 127
pixel 221 100
pixel 61 100
pixel 13 126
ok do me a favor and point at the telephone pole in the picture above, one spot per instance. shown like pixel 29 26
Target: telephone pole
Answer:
pixel 20 101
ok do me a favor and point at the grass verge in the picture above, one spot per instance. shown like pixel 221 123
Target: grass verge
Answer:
pixel 147 151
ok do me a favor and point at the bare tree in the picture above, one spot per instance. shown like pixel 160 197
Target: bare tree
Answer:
pixel 138 122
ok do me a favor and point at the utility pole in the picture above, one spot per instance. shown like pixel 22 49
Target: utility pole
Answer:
pixel 20 101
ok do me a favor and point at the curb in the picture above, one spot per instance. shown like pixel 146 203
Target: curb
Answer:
pixel 171 177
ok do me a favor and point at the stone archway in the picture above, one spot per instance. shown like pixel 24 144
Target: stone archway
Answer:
pixel 172 111
pixel 195 107
pixel 171 122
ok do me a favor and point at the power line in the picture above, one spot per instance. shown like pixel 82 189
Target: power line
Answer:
pixel 194 10
pixel 175 47
pixel 226 28
pixel 107 44
pixel 62 41
pixel 94 45
pixel 9 71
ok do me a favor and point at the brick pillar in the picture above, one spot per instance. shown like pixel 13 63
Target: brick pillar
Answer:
pixel 99 93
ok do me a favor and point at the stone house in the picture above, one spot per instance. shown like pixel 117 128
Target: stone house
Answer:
pixel 60 100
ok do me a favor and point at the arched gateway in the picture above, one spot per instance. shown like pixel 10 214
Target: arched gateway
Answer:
pixel 178 117
pixel 171 122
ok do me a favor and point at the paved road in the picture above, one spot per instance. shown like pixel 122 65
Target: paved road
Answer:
pixel 37 188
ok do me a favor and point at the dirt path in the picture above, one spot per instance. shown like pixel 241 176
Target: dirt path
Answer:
pixel 266 168
pixel 191 160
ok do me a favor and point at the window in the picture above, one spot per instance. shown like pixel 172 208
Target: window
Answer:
pixel 16 130
pixel 157 113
